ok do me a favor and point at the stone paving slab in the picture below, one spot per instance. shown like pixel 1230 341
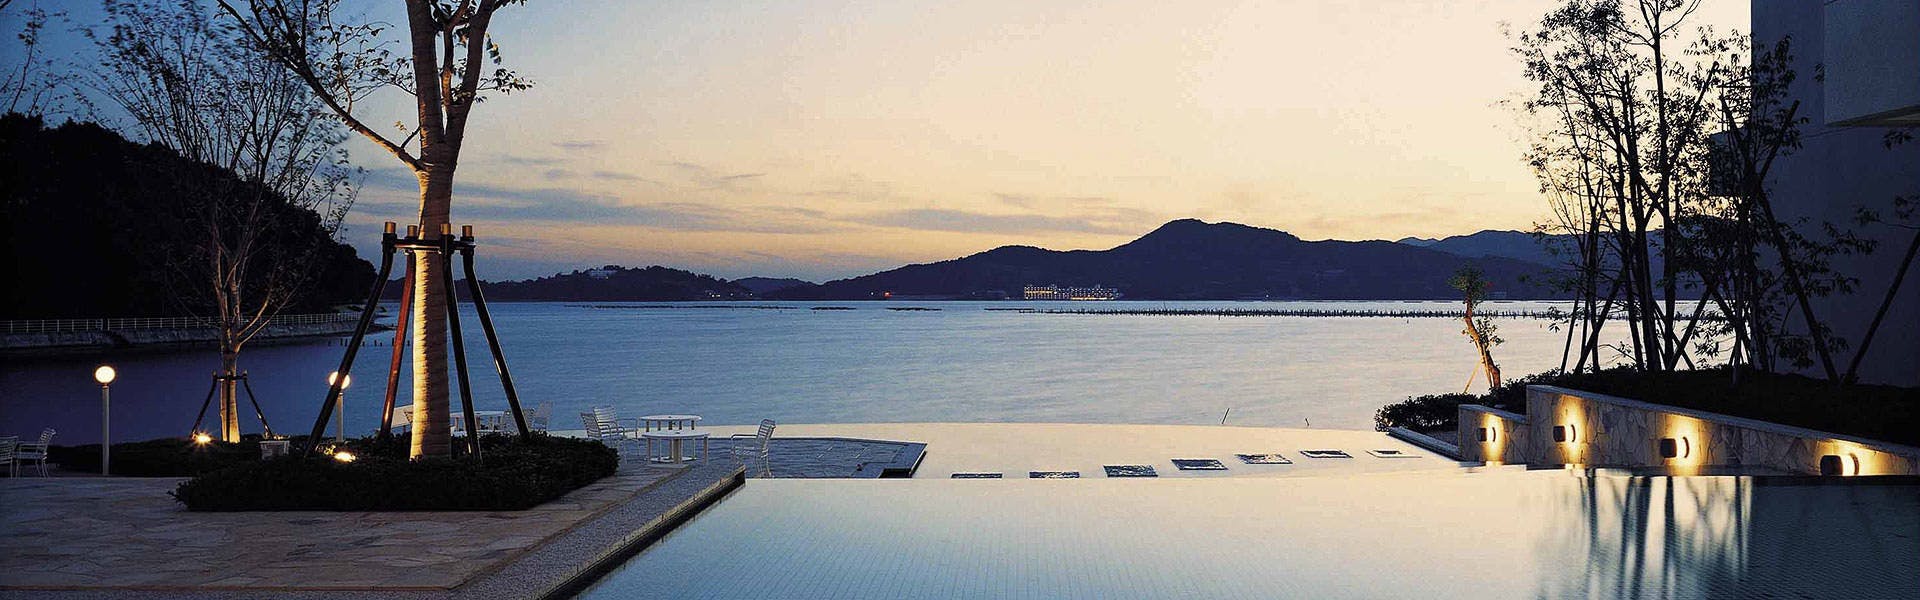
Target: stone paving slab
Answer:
pixel 127 533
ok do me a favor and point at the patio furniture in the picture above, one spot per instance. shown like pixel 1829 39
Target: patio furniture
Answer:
pixel 36 452
pixel 652 422
pixel 9 450
pixel 673 437
pixel 490 421
pixel 748 447
pixel 538 417
pixel 602 424
pixel 402 419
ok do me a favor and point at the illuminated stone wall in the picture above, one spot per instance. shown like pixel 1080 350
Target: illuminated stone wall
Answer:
pixel 1505 435
pixel 1607 431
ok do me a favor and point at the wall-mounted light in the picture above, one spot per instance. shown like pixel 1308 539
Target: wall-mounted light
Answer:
pixel 1679 447
pixel 1834 464
pixel 1566 433
pixel 1489 434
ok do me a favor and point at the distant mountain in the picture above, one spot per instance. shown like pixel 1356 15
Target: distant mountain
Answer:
pixel 1191 259
pixel 762 285
pixel 611 283
pixel 1516 245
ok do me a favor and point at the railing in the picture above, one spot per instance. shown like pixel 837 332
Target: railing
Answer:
pixel 124 324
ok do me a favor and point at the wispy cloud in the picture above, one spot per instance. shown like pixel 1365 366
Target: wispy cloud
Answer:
pixel 579 145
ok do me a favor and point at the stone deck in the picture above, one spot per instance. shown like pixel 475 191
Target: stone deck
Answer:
pixel 125 537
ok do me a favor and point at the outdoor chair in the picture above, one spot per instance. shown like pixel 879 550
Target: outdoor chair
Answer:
pixel 537 418
pixel 402 419
pixel 9 454
pixel 602 424
pixel 36 452
pixel 748 447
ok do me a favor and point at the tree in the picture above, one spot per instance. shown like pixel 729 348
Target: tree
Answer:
pixel 1625 118
pixel 445 68
pixel 1480 329
pixel 191 85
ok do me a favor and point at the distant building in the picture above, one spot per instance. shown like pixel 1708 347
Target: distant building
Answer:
pixel 1858 66
pixel 600 273
pixel 1054 292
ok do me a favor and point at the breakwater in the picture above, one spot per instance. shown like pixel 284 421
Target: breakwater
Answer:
pixel 1302 312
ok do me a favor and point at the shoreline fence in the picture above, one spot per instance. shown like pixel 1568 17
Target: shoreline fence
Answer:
pixel 30 326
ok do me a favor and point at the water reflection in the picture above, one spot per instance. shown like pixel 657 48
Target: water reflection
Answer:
pixel 1724 536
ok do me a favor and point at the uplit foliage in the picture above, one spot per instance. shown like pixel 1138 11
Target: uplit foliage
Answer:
pixel 446 63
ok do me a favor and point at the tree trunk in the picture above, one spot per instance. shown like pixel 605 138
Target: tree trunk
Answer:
pixel 431 433
pixel 229 395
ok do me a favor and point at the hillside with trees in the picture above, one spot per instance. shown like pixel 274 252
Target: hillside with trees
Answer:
pixel 94 228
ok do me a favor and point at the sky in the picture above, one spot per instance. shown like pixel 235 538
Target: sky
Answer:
pixel 829 139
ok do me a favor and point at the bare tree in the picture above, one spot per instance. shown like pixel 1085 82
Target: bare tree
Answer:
pixel 272 156
pixel 449 61
pixel 1480 329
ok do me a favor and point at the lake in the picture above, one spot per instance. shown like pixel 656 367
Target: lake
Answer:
pixel 960 362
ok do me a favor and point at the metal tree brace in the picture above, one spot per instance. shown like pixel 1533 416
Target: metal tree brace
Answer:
pixel 217 378
pixel 446 244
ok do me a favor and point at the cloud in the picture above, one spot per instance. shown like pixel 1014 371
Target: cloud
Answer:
pixel 709 178
pixel 934 219
pixel 579 145
pixel 529 161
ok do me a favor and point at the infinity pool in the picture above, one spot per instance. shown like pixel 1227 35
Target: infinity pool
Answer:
pixel 1497 534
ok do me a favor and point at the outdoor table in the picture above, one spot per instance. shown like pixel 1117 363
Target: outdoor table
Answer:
pixel 490 420
pixel 674 437
pixel 652 422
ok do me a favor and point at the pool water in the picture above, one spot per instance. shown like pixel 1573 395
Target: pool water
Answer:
pixel 1498 534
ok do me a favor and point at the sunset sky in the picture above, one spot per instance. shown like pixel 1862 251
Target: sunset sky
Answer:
pixel 827 139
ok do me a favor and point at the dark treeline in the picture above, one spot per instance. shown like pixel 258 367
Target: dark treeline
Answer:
pixel 91 228
pixel 611 283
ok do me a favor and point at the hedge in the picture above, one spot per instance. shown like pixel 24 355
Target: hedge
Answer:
pixel 509 475
pixel 165 457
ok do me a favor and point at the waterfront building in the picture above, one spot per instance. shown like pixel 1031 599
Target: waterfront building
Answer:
pixel 1858 78
pixel 1054 292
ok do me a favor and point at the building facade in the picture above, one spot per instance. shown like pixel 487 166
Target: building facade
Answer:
pixel 1858 77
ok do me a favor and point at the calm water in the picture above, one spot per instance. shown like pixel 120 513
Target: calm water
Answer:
pixel 736 366
pixel 1542 534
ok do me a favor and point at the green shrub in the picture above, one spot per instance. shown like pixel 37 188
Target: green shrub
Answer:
pixel 509 475
pixel 1432 412
pixel 165 457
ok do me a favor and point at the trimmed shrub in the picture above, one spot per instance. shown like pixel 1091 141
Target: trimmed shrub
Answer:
pixel 164 457
pixel 509 475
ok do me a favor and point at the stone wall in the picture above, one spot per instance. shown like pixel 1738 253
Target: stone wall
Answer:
pixel 1564 426
pixel 1493 436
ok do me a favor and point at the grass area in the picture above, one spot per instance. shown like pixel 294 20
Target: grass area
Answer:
pixel 1880 412
pixel 510 474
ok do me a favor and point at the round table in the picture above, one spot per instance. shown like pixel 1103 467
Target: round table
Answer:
pixel 674 437
pixel 652 422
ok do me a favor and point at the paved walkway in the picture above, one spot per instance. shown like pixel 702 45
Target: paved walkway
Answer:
pixel 94 533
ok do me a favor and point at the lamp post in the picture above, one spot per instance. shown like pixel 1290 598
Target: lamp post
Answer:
pixel 104 375
pixel 340 408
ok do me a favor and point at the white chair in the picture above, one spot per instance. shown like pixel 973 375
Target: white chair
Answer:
pixel 604 425
pixel 403 419
pixel 537 418
pixel 748 447
pixel 9 454
pixel 36 452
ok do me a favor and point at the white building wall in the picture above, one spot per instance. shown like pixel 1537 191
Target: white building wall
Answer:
pixel 1839 169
